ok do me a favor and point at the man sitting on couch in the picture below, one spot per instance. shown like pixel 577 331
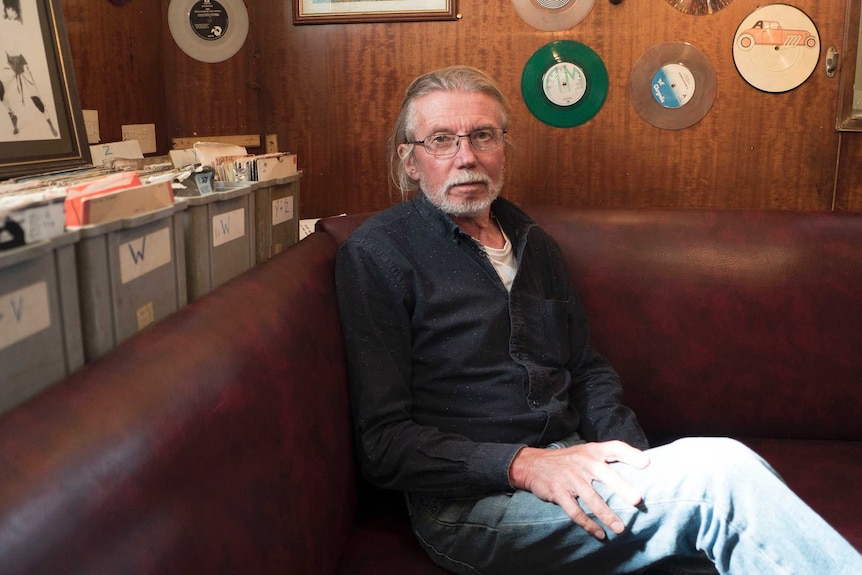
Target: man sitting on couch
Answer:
pixel 475 390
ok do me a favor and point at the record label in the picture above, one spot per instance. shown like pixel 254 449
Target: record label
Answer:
pixel 208 30
pixel 208 19
pixel 673 85
pixel 564 83
pixel 776 48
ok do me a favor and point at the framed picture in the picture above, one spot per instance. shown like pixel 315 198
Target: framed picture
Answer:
pixel 349 11
pixel 41 123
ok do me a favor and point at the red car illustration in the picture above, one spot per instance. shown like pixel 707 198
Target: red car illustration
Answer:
pixel 769 32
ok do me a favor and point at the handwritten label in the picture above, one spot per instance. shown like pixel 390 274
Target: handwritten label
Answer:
pixel 144 254
pixel 130 150
pixel 23 313
pixel 282 210
pixel 91 124
pixel 145 134
pixel 145 315
pixel 228 226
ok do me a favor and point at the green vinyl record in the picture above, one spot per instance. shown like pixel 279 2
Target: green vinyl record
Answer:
pixel 564 83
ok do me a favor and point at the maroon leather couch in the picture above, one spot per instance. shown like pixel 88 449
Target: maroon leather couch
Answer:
pixel 219 440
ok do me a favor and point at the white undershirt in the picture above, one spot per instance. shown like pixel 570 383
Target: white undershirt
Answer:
pixel 503 260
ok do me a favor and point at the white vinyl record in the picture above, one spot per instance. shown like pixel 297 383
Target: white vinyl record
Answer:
pixel 553 15
pixel 208 30
pixel 776 48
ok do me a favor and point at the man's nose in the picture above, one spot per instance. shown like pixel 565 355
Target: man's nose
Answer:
pixel 465 154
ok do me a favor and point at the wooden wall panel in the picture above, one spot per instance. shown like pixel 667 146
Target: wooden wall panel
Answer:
pixel 849 196
pixel 344 85
pixel 331 93
pixel 117 56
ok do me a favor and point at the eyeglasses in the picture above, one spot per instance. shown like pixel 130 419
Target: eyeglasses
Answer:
pixel 442 145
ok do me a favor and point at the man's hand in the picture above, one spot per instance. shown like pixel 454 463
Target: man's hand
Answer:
pixel 562 476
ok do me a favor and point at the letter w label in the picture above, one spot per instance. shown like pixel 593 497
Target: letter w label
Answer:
pixel 144 254
pixel 228 226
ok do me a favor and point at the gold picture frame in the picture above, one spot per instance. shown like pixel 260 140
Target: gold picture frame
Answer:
pixel 41 123
pixel 850 85
pixel 354 11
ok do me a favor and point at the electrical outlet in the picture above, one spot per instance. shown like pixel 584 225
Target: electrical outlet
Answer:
pixel 857 99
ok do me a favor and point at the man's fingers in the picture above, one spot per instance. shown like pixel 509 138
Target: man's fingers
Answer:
pixel 579 517
pixel 603 513
pixel 625 453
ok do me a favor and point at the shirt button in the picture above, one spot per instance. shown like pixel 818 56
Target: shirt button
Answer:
pixel 534 403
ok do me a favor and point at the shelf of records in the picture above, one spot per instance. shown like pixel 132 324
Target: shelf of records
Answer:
pixel 91 256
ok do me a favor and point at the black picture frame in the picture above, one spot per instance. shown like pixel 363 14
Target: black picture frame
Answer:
pixel 26 153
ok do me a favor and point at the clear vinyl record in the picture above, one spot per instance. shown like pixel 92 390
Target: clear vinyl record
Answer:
pixel 208 30
pixel 776 48
pixel 673 85
pixel 553 15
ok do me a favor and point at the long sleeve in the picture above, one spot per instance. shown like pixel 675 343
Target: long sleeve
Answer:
pixel 395 450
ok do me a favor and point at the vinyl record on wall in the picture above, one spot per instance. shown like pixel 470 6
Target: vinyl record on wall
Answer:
pixel 564 83
pixel 553 15
pixel 208 30
pixel 673 85
pixel 776 48
pixel 699 7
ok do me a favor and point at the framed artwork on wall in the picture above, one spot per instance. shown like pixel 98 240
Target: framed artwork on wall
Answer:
pixel 350 11
pixel 850 90
pixel 41 123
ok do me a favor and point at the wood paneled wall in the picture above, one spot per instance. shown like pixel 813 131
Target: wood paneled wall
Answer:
pixel 331 93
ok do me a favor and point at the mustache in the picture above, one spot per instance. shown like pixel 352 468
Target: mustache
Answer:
pixel 467 177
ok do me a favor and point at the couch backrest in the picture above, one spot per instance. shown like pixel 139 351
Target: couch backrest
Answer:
pixel 216 441
pixel 743 323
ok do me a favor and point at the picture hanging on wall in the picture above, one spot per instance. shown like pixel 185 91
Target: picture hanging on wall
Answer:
pixel 349 11
pixel 41 123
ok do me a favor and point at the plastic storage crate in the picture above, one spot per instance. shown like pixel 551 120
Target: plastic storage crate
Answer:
pixel 40 322
pixel 219 236
pixel 131 273
pixel 276 216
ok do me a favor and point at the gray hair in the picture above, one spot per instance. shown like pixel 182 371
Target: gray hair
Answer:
pixel 451 79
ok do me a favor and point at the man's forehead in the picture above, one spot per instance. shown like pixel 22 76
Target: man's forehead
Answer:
pixel 456 109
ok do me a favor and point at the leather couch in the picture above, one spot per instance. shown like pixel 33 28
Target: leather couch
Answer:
pixel 219 441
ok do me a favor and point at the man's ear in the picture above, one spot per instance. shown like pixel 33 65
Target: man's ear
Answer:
pixel 405 152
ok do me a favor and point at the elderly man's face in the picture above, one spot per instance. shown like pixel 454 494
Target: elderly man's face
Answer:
pixel 465 184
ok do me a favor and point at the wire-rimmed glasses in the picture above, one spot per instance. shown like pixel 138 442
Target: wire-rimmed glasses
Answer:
pixel 442 145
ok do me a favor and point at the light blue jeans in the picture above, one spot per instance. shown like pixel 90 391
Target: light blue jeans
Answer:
pixel 701 496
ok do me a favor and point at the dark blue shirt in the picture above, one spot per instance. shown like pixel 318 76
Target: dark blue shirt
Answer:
pixel 450 373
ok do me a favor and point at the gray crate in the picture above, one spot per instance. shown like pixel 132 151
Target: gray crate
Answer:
pixel 40 322
pixel 131 273
pixel 219 236
pixel 276 216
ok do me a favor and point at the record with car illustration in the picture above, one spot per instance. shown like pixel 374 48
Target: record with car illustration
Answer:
pixel 776 48
pixel 564 83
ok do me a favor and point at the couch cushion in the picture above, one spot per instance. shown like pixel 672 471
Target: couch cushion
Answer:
pixel 215 441
pixel 724 322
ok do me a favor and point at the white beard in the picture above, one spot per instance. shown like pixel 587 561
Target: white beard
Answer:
pixel 462 209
